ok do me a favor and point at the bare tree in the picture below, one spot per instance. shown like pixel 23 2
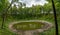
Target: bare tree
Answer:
pixel 55 17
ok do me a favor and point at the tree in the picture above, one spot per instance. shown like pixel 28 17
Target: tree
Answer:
pixel 57 5
pixel 4 4
pixel 4 11
pixel 47 8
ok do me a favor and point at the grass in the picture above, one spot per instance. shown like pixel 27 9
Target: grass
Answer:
pixel 28 26
pixel 49 18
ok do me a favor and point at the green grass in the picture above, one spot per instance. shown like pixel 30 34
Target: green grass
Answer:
pixel 49 18
pixel 28 26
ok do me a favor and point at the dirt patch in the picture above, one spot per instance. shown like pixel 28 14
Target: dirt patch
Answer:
pixel 30 32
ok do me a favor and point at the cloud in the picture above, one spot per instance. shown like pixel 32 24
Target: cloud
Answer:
pixel 29 3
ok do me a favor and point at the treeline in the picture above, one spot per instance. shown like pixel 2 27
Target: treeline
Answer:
pixel 27 12
pixel 23 12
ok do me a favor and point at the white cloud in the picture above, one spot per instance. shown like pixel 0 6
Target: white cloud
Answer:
pixel 34 2
pixel 29 3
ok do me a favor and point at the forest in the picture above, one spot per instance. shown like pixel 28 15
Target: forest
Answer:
pixel 10 12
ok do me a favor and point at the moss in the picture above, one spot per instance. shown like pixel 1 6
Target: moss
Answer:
pixel 28 25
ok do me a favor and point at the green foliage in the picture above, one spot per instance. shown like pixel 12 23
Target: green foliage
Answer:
pixel 33 12
pixel 47 7
pixel 3 4
pixel 57 5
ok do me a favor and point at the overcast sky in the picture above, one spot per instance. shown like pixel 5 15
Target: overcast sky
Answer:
pixel 34 2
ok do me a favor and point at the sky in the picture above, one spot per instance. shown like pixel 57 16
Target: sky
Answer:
pixel 29 3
